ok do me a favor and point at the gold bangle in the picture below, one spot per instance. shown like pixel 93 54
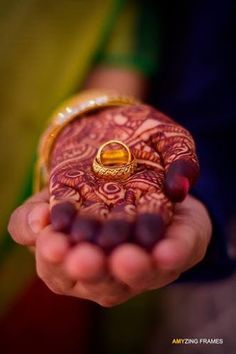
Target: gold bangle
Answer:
pixel 76 107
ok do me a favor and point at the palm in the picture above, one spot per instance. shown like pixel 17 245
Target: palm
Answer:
pixel 109 213
pixel 155 141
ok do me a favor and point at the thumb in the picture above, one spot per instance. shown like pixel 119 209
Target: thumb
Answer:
pixel 29 219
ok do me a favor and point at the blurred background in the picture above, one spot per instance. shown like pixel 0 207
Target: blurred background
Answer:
pixel 187 52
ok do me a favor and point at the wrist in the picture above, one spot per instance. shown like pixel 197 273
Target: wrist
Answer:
pixel 129 82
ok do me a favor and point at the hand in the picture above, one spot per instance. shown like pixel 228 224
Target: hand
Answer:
pixel 86 272
pixel 109 212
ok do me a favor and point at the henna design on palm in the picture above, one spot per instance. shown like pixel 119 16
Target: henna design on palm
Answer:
pixel 137 209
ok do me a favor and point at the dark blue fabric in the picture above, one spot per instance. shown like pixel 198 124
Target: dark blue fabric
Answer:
pixel 196 85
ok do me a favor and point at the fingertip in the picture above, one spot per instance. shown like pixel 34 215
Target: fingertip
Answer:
pixel 86 262
pixel 149 229
pixel 170 255
pixel 62 216
pixel 39 217
pixel 27 221
pixel 84 229
pixel 177 187
pixel 130 264
pixel 180 177
pixel 51 246
pixel 113 233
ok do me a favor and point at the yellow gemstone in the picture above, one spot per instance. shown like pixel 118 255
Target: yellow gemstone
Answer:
pixel 114 157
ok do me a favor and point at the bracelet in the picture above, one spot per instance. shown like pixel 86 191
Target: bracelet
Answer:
pixel 74 108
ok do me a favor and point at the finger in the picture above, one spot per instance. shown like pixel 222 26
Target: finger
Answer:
pixel 177 149
pixel 52 246
pixel 131 265
pixel 106 292
pixel 118 228
pixel 114 233
pixel 149 229
pixel 162 278
pixel 154 212
pixel 51 250
pixel 187 238
pixel 64 203
pixel 86 262
pixel 87 265
pixel 29 219
pixel 180 177
pixel 84 229
pixel 62 216
pixel 89 221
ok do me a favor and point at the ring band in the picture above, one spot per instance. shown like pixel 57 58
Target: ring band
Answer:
pixel 114 172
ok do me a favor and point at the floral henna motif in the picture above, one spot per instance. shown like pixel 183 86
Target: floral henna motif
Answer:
pixel 167 168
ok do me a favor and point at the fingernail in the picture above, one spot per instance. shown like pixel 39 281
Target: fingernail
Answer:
pixel 38 218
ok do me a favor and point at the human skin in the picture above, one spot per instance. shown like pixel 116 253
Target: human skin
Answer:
pixel 85 271
pixel 167 167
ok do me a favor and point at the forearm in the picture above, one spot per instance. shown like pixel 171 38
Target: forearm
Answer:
pixel 126 81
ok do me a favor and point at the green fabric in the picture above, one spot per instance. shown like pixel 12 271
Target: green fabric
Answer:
pixel 44 58
pixel 134 40
pixel 47 49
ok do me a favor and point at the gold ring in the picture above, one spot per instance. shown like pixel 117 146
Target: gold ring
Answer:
pixel 114 164
pixel 76 107
pixel 110 157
